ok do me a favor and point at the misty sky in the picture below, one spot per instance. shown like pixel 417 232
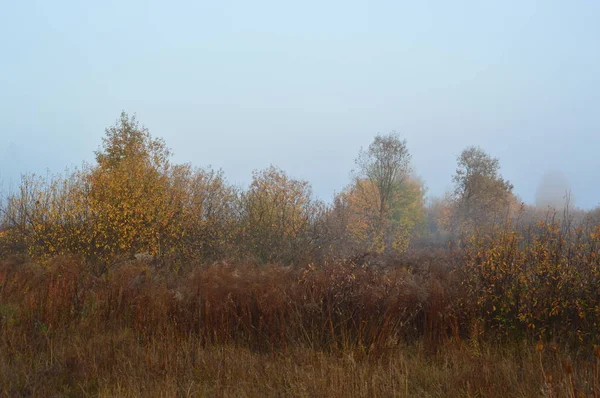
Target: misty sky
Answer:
pixel 303 85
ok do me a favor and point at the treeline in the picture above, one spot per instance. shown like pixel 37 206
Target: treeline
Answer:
pixel 108 255
pixel 135 201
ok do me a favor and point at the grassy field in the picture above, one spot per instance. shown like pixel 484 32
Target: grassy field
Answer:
pixel 337 330
pixel 117 363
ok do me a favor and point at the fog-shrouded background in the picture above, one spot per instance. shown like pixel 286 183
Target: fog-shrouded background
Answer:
pixel 241 85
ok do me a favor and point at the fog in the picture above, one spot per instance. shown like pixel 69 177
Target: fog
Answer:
pixel 241 85
pixel 554 191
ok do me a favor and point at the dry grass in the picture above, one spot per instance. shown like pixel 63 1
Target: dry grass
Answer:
pixel 223 330
pixel 118 363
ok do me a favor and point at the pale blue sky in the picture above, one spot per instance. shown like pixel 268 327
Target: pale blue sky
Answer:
pixel 303 85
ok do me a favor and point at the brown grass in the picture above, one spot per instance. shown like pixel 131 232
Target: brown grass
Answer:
pixel 223 330
pixel 119 363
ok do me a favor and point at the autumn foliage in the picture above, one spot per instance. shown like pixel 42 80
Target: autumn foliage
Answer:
pixel 540 284
pixel 163 262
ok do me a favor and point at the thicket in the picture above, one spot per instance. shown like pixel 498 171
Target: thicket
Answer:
pixel 64 328
pixel 161 252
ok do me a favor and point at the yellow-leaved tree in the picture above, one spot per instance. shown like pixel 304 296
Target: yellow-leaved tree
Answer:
pixel 49 216
pixel 132 201
pixel 384 207
pixel 367 229
pixel 136 205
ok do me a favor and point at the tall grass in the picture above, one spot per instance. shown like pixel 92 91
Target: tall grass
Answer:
pixel 424 324
pixel 337 306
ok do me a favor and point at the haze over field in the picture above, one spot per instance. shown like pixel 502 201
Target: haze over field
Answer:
pixel 241 85
pixel 329 199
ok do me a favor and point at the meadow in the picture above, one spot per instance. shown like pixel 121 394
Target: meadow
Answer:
pixel 135 277
pixel 414 325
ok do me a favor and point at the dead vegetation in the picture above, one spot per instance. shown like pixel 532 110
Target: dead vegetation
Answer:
pixel 336 329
